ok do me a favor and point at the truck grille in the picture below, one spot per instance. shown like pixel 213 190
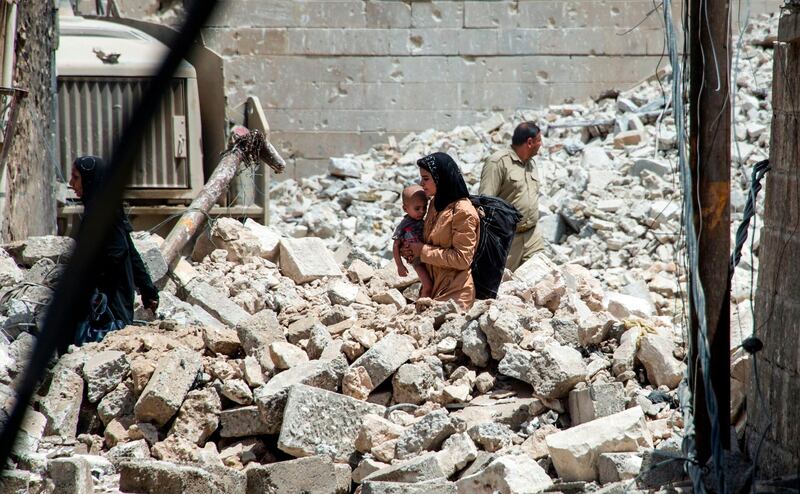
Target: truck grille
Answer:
pixel 92 113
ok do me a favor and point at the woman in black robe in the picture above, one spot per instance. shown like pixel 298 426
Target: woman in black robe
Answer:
pixel 120 269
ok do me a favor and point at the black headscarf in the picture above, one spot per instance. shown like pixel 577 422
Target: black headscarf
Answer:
pixel 450 185
pixel 93 171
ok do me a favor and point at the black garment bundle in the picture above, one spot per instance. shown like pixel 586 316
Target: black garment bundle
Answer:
pixel 498 225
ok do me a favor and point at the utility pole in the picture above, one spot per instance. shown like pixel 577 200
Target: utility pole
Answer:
pixel 710 165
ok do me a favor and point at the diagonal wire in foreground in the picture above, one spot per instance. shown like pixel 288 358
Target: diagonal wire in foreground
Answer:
pixel 72 295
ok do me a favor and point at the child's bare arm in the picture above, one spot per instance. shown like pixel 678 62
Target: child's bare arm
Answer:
pixel 398 259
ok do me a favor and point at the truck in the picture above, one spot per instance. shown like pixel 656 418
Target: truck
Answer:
pixel 103 66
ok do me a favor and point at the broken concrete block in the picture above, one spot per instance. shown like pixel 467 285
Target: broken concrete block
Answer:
pixel 57 249
pixel 198 416
pixel 221 340
pixel 342 293
pixel 30 434
pixel 71 476
pixel 575 451
pixel 535 269
pixel 103 372
pixel 347 167
pixel 10 273
pixel 356 383
pixel 271 398
pixel 117 403
pixel 385 357
pixel 344 476
pixel 552 372
pixel 257 333
pixel 318 340
pixel 62 403
pixel 376 431
pixel 285 355
pixel 392 296
pixel 237 391
pixel 426 434
pixel 242 422
pixel 169 478
pixel 491 436
pixel 424 467
pixel 221 307
pixel 360 272
pixel 625 353
pixel 613 467
pixel 657 166
pixel 312 475
pixel 628 138
pixel 230 235
pixel 134 450
pixel 595 401
pixel 366 467
pixel 624 306
pixel 151 255
pixel 166 389
pixel 430 487
pixel 553 227
pixel 500 328
pixel 474 344
pixel 457 452
pixel 595 157
pixel 656 354
pixel 316 420
pixel 268 238
pixel 307 259
pixel 21 482
pixel 172 308
pixel 507 474
pixel 414 383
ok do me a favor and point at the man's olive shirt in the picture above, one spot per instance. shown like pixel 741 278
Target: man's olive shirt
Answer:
pixel 505 176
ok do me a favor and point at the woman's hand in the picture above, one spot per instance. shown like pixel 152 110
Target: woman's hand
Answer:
pixel 411 250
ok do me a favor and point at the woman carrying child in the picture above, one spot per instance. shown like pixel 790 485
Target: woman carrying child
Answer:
pixel 450 232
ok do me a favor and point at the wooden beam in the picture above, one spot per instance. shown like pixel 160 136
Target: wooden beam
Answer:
pixel 710 165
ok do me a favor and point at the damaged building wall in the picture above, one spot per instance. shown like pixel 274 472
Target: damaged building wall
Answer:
pixel 336 77
pixel 772 410
pixel 30 206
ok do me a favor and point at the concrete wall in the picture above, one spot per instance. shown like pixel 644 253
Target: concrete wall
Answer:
pixel 30 207
pixel 778 295
pixel 336 76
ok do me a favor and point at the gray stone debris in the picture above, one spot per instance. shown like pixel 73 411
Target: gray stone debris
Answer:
pixel 103 372
pixel 307 259
pixel 70 476
pixel 507 474
pixel 170 478
pixel 271 398
pixel 575 451
pixel 304 331
pixel 319 421
pixel 491 436
pixel 311 475
pixel 595 401
pixel 426 434
pixel 552 371
pixel 385 357
pixel 61 405
pixel 166 389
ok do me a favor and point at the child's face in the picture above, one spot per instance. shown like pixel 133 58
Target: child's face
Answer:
pixel 415 208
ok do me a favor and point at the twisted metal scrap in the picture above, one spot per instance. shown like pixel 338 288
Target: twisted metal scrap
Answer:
pixel 254 148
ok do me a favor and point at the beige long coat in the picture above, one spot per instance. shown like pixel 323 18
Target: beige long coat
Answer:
pixel 451 237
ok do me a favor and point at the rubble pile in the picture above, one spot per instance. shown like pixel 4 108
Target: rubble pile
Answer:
pixel 294 359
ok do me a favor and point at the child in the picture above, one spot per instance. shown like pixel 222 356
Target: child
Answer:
pixel 410 230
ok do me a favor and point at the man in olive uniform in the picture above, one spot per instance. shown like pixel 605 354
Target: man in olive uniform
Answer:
pixel 511 175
